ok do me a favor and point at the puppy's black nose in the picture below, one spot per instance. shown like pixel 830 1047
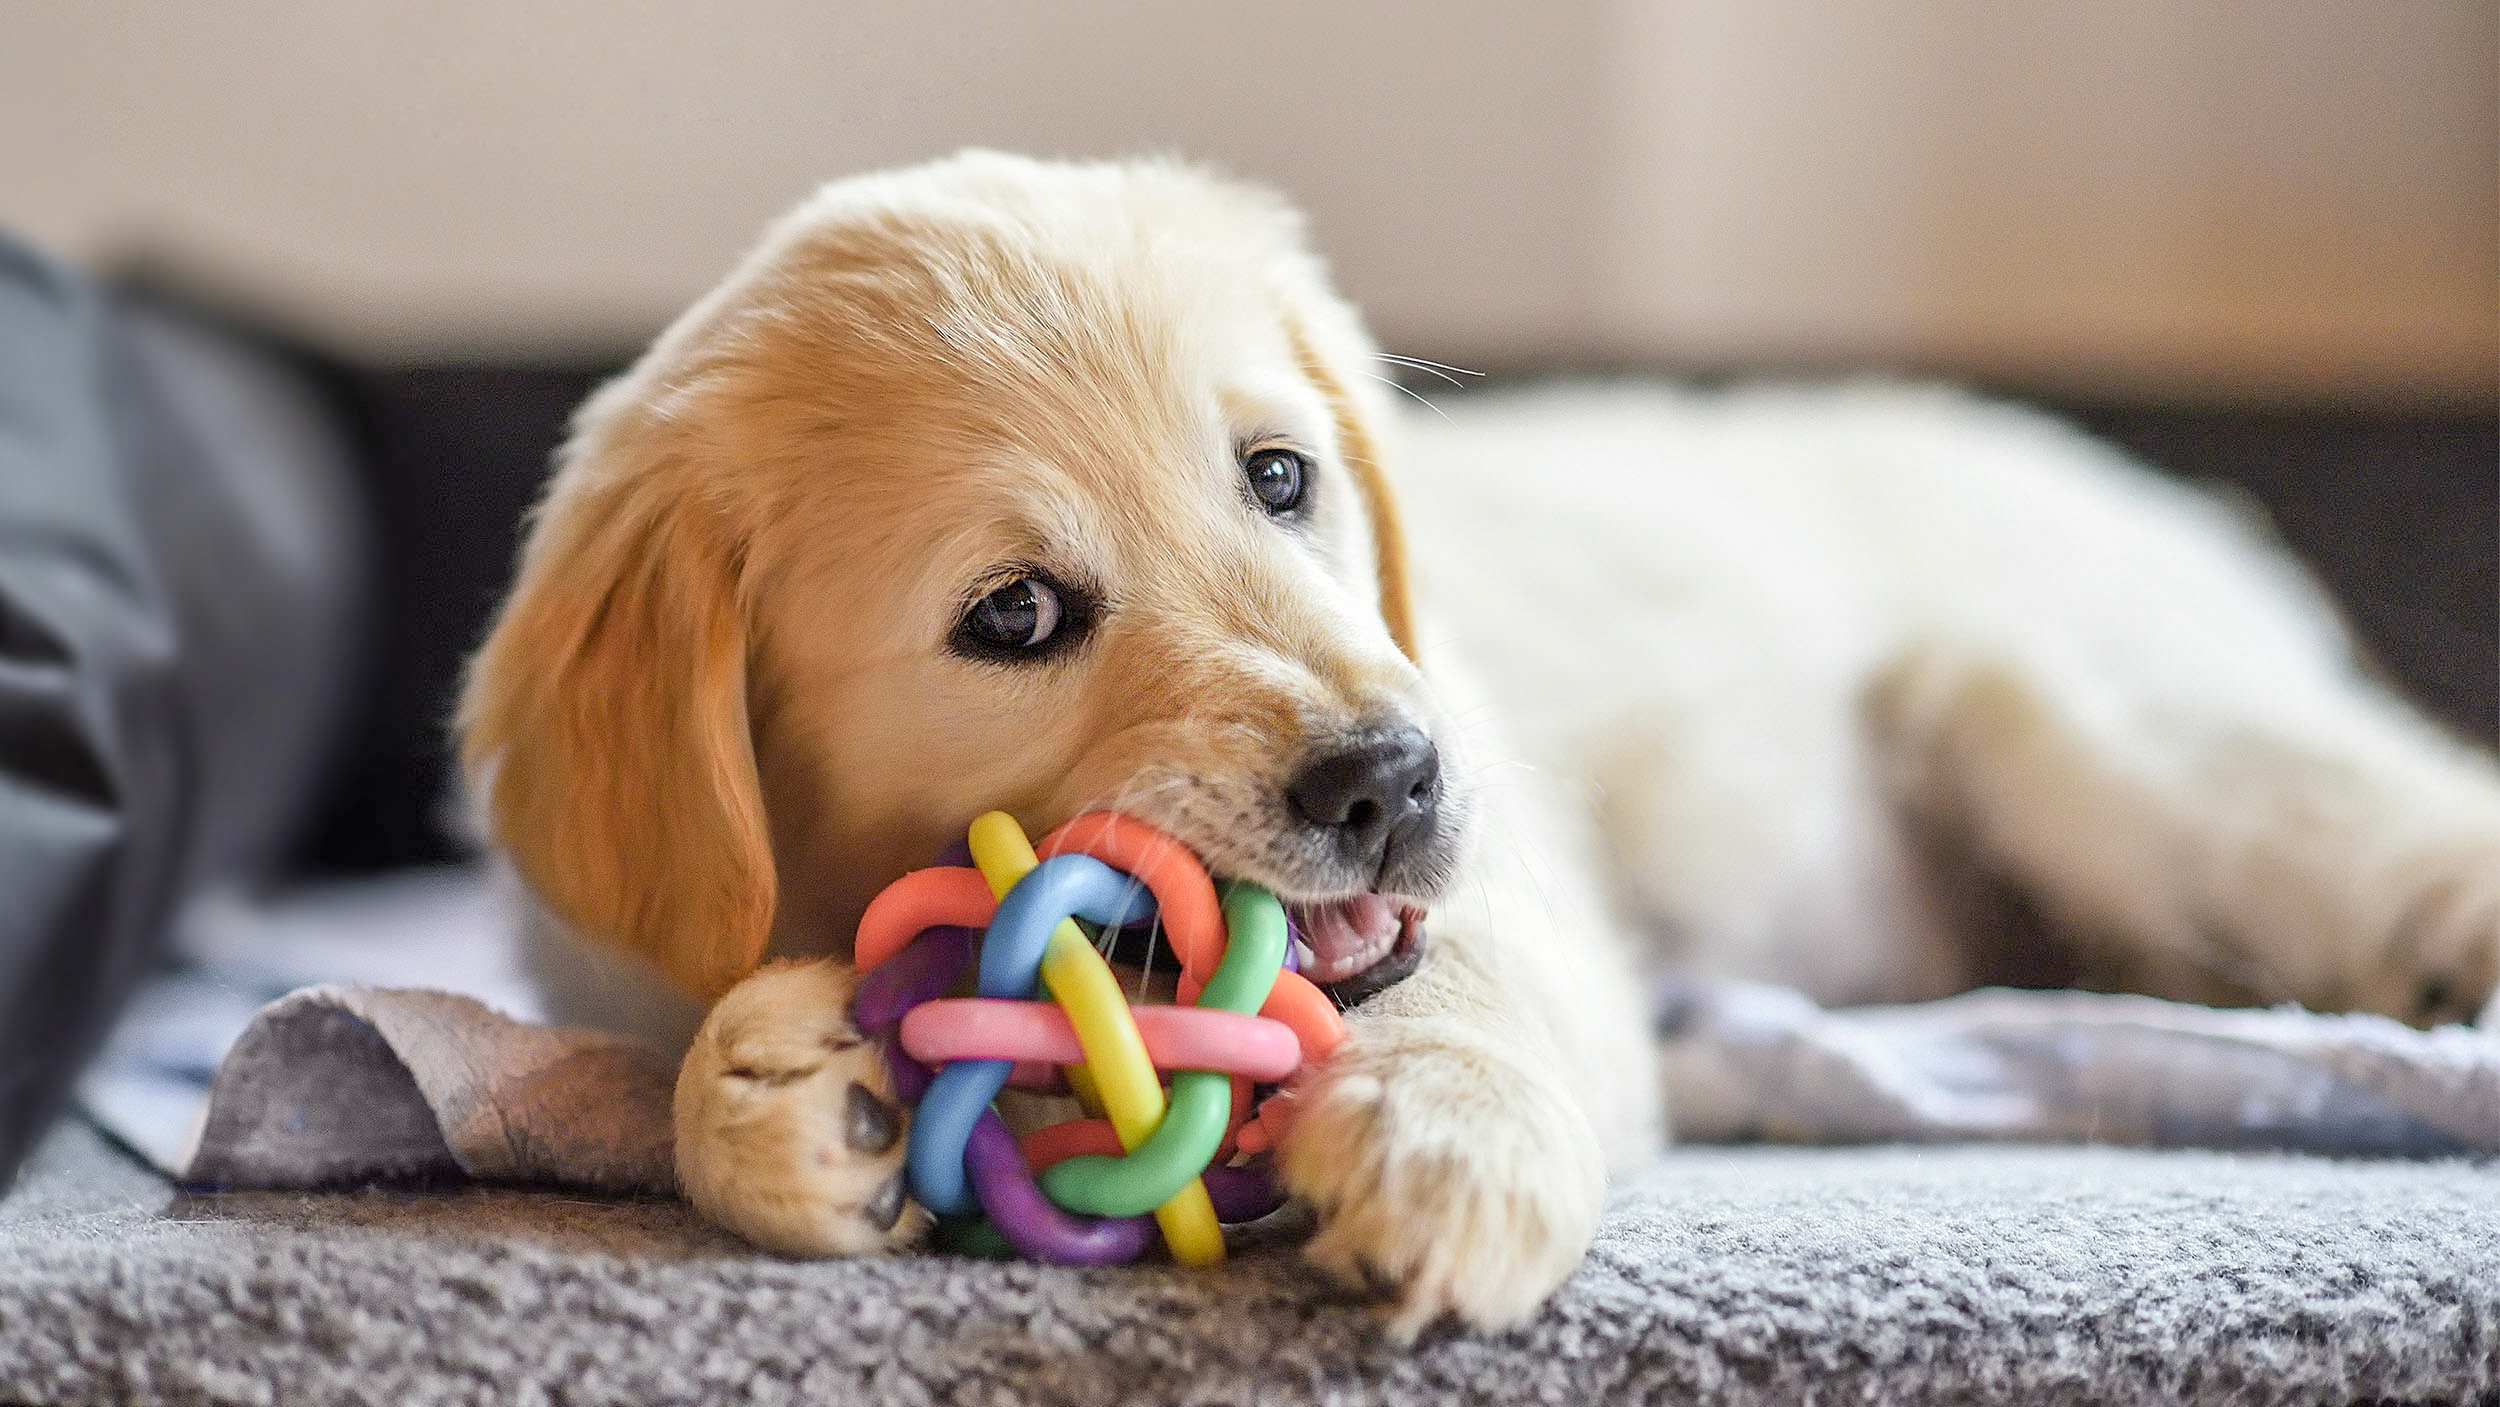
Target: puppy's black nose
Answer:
pixel 1367 796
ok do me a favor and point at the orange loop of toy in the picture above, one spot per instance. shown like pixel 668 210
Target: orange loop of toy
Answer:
pixel 1177 1037
pixel 1307 1009
pixel 1193 921
pixel 946 896
pixel 1268 1126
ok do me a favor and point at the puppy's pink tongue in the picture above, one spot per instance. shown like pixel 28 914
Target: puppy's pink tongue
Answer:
pixel 1347 935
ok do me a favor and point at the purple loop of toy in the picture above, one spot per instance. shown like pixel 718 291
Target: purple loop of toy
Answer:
pixel 1245 1193
pixel 911 1078
pixel 926 968
pixel 1004 1184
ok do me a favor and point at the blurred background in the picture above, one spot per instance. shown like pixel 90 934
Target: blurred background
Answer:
pixel 2258 241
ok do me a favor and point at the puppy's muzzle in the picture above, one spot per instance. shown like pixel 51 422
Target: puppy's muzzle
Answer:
pixel 1372 800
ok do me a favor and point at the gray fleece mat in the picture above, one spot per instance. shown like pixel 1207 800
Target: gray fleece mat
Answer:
pixel 1722 1275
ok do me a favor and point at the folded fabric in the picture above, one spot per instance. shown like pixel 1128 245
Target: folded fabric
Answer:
pixel 333 1085
pixel 1747 1061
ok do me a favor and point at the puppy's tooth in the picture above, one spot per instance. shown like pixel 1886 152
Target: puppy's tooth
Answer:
pixel 869 1123
pixel 1303 957
pixel 886 1208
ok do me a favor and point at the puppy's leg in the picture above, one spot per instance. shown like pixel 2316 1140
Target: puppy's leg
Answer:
pixel 1457 1146
pixel 2294 835
pixel 788 1132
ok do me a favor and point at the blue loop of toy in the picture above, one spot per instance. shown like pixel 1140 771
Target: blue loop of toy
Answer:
pixel 1062 887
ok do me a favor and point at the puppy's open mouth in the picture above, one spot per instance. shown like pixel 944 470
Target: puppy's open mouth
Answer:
pixel 1354 947
pixel 1359 945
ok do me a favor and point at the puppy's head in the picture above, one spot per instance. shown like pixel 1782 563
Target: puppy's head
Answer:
pixel 990 484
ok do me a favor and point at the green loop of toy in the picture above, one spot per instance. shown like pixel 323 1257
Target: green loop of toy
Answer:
pixel 973 1236
pixel 1254 949
pixel 1202 1100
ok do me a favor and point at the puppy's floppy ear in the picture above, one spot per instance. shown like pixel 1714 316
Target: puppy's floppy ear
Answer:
pixel 1333 351
pixel 605 721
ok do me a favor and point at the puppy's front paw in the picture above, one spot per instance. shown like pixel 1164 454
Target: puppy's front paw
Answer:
pixel 1449 1174
pixel 788 1132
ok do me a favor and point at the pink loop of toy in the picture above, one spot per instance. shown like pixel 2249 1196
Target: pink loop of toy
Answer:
pixel 946 896
pixel 1177 1037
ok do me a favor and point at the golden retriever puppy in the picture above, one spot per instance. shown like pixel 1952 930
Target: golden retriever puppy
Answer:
pixel 1044 487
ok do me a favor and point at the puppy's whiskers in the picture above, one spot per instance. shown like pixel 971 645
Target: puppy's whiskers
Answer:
pixel 1128 799
pixel 1403 389
pixel 1426 363
pixel 1429 368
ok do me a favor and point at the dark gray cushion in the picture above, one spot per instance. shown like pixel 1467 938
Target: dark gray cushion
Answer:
pixel 177 588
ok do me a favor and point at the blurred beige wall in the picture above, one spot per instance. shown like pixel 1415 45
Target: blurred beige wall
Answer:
pixel 2205 197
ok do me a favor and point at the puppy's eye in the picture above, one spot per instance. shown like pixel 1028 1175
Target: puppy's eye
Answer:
pixel 1022 615
pixel 1279 479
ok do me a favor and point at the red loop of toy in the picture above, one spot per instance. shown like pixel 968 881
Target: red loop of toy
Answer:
pixel 1193 919
pixel 1050 1146
pixel 1054 1144
pixel 1177 1037
pixel 946 896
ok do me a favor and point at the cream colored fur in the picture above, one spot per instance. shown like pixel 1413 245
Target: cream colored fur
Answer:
pixel 1745 681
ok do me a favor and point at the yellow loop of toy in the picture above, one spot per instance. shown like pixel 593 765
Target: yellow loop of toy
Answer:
pixel 1005 855
pixel 1116 1063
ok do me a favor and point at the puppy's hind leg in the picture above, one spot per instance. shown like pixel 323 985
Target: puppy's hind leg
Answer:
pixel 2297 836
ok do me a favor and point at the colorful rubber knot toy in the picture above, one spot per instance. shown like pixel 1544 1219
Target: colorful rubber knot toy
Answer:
pixel 1049 1015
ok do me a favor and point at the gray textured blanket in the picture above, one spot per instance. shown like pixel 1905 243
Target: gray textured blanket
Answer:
pixel 1740 1277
